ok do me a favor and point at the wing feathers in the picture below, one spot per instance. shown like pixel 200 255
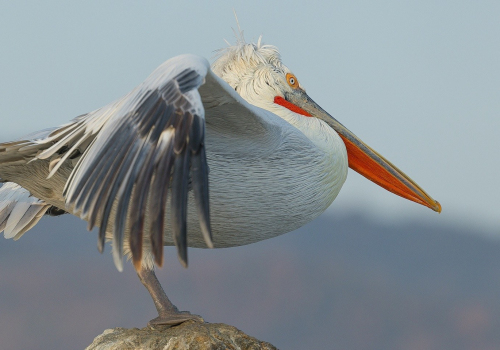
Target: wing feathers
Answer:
pixel 188 80
pixel 133 149
pixel 199 169
pixel 27 214
pixel 148 140
pixel 124 195
pixel 161 181
pixel 19 211
pixel 179 204
pixel 138 205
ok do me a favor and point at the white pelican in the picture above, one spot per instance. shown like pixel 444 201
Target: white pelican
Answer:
pixel 245 127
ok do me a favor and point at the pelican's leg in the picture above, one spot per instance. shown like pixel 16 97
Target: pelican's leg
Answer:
pixel 168 314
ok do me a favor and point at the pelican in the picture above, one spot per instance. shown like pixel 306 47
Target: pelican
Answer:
pixel 242 130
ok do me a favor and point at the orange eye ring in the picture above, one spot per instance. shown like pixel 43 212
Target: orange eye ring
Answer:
pixel 292 80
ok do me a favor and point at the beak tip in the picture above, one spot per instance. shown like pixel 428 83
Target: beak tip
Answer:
pixel 437 207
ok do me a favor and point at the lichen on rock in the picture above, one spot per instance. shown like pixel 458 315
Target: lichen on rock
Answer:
pixel 189 335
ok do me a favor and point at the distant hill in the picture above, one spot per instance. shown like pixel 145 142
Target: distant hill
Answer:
pixel 337 283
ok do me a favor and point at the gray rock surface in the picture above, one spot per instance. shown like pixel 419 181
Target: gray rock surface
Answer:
pixel 189 335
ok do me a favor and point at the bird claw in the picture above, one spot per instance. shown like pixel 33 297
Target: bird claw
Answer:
pixel 174 319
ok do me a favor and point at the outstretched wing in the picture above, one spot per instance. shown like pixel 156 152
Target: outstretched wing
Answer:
pixel 137 147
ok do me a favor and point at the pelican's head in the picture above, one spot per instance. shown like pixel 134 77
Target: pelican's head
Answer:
pixel 256 72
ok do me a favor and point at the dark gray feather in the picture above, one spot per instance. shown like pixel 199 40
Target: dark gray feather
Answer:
pixel 179 204
pixel 199 171
pixel 131 168
pixel 111 195
pixel 161 181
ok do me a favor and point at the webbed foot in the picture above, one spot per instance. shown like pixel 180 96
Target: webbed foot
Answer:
pixel 168 314
pixel 174 318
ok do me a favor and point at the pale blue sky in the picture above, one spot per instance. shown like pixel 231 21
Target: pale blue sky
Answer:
pixel 419 81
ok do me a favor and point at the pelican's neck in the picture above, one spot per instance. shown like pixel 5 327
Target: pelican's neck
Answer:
pixel 316 130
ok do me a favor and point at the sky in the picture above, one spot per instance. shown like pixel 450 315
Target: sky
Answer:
pixel 418 81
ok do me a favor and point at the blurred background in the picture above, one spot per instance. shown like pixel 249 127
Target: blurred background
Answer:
pixel 419 81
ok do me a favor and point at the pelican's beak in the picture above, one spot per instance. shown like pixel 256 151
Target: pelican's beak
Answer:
pixel 363 159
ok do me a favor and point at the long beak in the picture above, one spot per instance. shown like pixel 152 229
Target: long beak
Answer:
pixel 366 161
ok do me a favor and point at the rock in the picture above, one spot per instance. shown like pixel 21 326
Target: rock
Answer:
pixel 189 335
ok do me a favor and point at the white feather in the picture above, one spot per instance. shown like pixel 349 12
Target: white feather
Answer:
pixel 19 211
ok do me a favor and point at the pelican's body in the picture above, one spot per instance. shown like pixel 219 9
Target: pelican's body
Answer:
pixel 283 186
pixel 140 168
pixel 285 171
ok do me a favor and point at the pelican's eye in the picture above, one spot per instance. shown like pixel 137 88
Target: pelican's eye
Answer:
pixel 292 80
